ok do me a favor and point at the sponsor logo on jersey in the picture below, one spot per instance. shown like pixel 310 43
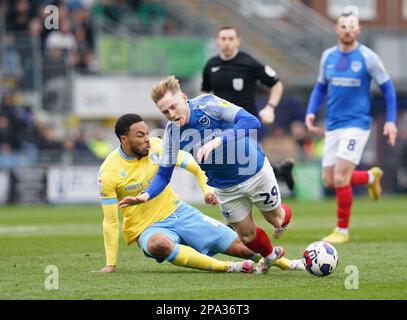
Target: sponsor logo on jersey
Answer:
pixel 270 71
pixel 382 66
pixel 224 104
pixel 215 69
pixel 238 84
pixel 155 158
pixel 346 82
pixel 123 173
pixel 133 186
pixel 356 66
pixel 205 121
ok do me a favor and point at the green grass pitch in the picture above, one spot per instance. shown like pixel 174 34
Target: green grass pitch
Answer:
pixel 70 237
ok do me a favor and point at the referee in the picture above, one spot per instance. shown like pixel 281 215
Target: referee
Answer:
pixel 232 75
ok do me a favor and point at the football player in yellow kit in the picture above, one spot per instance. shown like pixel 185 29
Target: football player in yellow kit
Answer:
pixel 165 228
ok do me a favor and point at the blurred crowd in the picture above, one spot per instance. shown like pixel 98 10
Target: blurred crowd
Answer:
pixel 27 140
pixel 72 47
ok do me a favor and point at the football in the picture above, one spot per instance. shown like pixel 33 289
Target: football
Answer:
pixel 320 258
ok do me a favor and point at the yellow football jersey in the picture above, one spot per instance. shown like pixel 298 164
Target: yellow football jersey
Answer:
pixel 121 176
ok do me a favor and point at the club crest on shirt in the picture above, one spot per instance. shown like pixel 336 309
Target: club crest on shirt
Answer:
pixel 356 66
pixel 226 214
pixel 238 84
pixel 155 158
pixel 205 121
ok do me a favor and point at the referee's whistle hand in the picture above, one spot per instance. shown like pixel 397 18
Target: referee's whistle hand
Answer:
pixel 267 115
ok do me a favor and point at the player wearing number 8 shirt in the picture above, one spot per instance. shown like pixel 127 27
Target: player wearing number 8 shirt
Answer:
pixel 346 71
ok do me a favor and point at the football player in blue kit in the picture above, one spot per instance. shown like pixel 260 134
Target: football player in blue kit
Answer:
pixel 346 72
pixel 221 138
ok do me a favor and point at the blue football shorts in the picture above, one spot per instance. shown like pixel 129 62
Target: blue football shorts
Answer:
pixel 188 226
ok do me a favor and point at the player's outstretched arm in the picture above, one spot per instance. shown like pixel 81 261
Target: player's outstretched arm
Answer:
pixel 390 128
pixel 317 97
pixel 111 231
pixel 131 201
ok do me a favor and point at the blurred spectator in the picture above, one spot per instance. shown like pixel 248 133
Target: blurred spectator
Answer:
pixel 305 146
pixel 279 146
pixel 81 143
pixel 36 31
pixel 12 70
pixel 62 39
pixel 48 139
pixel 8 141
pixel 402 153
pixel 99 146
pixel 19 15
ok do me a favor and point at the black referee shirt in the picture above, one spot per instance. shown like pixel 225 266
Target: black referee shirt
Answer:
pixel 235 80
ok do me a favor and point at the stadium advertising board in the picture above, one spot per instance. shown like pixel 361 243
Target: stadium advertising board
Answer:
pixel 112 96
pixel 72 185
pixel 4 186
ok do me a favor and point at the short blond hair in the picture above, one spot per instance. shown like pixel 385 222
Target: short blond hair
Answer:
pixel 169 83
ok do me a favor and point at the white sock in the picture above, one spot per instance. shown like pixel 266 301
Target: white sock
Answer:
pixel 371 177
pixel 271 257
pixel 344 231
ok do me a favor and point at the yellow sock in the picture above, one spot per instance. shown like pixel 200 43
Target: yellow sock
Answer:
pixel 190 258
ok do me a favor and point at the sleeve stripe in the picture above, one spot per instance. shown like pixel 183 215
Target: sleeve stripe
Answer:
pixel 108 200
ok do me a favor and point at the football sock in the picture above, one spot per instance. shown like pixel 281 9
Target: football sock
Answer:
pixel 271 257
pixel 344 231
pixel 360 178
pixel 261 243
pixel 371 177
pixel 288 213
pixel 344 204
pixel 256 257
pixel 188 257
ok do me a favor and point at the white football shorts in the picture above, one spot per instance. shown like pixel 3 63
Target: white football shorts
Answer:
pixel 261 190
pixel 348 144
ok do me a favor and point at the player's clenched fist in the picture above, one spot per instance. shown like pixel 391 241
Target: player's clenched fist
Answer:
pixel 210 198
pixel 390 130
pixel 130 201
pixel 267 115
pixel 309 122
